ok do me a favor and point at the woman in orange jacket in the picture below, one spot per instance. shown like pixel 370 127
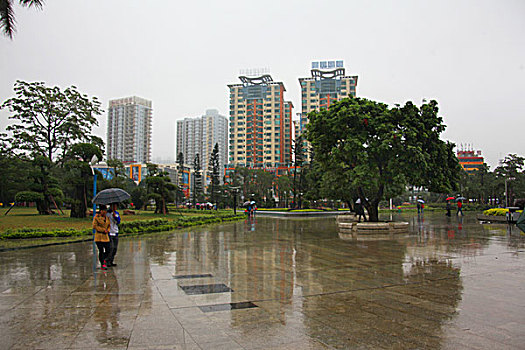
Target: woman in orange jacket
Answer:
pixel 101 227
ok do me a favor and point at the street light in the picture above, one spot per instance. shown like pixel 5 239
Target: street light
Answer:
pixel 94 163
pixel 506 191
pixel 235 190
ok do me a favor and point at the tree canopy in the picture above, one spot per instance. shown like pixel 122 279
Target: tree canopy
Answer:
pixel 377 151
pixel 49 120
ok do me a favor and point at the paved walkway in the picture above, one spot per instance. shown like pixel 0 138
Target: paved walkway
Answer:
pixel 273 284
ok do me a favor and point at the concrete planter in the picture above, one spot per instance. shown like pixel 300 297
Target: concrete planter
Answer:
pixel 491 218
pixel 347 225
pixel 297 214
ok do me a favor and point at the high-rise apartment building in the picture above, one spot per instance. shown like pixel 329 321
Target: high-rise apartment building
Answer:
pixel 199 135
pixel 129 130
pixel 327 84
pixel 471 161
pixel 260 123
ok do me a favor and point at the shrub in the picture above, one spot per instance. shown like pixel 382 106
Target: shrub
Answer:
pixel 498 212
pixel 128 227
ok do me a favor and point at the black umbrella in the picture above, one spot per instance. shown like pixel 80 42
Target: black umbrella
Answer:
pixel 111 195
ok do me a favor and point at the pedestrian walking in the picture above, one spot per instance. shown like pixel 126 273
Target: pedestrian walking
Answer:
pixel 359 211
pixel 114 220
pixel 460 208
pixel 418 207
pixel 101 226
pixel 448 208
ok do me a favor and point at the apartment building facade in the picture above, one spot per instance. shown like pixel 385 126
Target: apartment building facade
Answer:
pixel 199 136
pixel 327 84
pixel 129 130
pixel 260 124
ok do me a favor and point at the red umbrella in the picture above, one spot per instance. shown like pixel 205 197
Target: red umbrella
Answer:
pixel 450 198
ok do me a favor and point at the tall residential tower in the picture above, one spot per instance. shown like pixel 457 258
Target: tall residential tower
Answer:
pixel 327 84
pixel 129 130
pixel 260 123
pixel 199 135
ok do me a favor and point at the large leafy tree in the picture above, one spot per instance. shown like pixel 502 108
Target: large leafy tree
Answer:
pixel 215 172
pixel 49 120
pixel 378 150
pixel 7 14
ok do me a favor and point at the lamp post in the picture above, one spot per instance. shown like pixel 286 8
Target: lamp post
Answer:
pixel 92 164
pixel 506 191
pixel 235 190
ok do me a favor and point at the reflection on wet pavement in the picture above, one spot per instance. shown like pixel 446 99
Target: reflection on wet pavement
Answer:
pixel 272 283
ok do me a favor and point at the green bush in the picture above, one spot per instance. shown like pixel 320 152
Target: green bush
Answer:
pixel 128 227
pixel 498 212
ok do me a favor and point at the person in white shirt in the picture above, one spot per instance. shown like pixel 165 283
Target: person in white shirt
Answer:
pixel 114 221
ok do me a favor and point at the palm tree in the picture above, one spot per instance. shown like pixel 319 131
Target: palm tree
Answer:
pixel 7 14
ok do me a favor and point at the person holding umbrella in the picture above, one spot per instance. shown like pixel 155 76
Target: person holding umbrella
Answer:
pixel 101 228
pixel 449 207
pixel 103 220
pixel 460 206
pixel 114 220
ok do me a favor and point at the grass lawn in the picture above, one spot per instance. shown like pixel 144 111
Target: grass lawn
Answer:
pixel 20 217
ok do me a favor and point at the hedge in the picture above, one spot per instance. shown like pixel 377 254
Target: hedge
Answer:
pixel 498 212
pixel 129 227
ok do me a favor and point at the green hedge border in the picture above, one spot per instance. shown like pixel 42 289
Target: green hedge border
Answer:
pixel 130 228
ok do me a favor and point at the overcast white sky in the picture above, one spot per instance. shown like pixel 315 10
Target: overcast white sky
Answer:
pixel 468 55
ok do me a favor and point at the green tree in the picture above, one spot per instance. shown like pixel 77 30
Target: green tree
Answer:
pixel 379 151
pixel 159 188
pixel 197 182
pixel 215 172
pixel 299 153
pixel 180 167
pixel 78 176
pixel 14 172
pixel 7 14
pixel 43 182
pixel 139 196
pixel 283 188
pixel 510 170
pixel 49 120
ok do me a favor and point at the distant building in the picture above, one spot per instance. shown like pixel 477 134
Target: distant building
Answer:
pixel 199 135
pixel 471 161
pixel 260 124
pixel 326 85
pixel 129 130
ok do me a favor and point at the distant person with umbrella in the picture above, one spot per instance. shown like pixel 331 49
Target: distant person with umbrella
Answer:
pixel 114 220
pixel 460 207
pixel 449 207
pixel 101 227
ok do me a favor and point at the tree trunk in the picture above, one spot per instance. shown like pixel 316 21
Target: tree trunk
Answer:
pixel 78 205
pixel 373 212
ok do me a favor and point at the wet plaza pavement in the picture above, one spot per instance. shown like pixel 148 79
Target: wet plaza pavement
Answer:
pixel 272 283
